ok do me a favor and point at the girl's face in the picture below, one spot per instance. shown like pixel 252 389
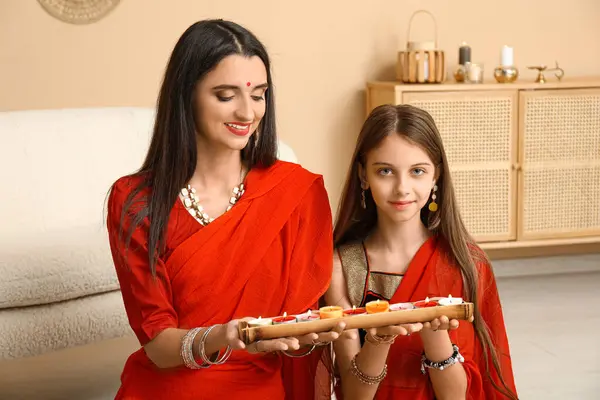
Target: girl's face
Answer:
pixel 230 102
pixel 401 177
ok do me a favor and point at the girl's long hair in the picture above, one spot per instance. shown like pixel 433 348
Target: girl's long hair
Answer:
pixel 355 222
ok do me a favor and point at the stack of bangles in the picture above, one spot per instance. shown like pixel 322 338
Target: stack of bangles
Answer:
pixel 361 376
pixel 187 350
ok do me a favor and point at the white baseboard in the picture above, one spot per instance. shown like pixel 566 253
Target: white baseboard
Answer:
pixel 547 265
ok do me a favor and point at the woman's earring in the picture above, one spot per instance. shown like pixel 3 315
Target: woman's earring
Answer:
pixel 363 200
pixel 433 207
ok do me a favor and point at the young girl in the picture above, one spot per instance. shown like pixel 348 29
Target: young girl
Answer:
pixel 399 237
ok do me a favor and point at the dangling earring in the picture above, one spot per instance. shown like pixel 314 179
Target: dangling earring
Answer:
pixel 363 200
pixel 433 207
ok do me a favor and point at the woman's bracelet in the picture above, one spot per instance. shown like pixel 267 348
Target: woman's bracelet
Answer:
pixel 310 350
pixel 202 352
pixel 456 357
pixel 366 379
pixel 187 350
pixel 377 340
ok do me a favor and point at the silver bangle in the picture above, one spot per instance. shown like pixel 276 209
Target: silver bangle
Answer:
pixel 456 357
pixel 187 349
pixel 202 352
pixel 300 355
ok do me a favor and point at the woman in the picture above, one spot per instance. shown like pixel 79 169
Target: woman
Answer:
pixel 213 228
pixel 399 237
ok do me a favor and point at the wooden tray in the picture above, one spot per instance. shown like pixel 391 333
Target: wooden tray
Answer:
pixel 248 335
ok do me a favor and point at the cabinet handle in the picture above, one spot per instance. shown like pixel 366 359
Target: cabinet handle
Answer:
pixel 517 167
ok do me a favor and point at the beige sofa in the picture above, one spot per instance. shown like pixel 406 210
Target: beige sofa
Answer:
pixel 63 330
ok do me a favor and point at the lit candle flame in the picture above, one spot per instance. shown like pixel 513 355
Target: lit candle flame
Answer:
pixel 427 300
pixel 309 313
pixel 284 314
pixel 449 296
pixel 353 308
pixel 259 317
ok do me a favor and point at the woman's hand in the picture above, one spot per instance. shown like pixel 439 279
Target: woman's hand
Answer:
pixel 442 324
pixel 323 338
pixel 395 330
pixel 228 334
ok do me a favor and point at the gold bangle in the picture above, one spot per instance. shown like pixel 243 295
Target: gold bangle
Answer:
pixel 377 340
pixel 366 379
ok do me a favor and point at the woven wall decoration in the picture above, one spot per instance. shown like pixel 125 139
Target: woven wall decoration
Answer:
pixel 79 12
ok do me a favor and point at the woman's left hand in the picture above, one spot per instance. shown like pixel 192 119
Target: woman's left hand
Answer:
pixel 323 338
pixel 296 343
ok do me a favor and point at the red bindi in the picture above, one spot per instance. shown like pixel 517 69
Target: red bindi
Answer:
pixel 247 83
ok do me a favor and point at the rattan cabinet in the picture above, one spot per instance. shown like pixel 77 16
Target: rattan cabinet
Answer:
pixel 525 159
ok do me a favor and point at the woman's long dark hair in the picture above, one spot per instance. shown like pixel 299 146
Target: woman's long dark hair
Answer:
pixel 172 156
pixel 355 223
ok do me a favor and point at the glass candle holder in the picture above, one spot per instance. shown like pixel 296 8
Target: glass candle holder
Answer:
pixel 475 73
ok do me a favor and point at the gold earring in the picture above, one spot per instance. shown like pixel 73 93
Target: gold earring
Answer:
pixel 363 200
pixel 433 207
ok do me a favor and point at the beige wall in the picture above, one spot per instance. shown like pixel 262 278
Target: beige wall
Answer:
pixel 323 52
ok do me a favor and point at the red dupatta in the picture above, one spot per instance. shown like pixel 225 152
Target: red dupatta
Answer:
pixel 236 244
pixel 269 254
pixel 430 274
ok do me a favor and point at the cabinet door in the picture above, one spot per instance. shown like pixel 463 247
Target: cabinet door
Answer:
pixel 560 161
pixel 479 130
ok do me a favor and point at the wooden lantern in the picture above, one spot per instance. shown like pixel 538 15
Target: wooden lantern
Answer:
pixel 421 62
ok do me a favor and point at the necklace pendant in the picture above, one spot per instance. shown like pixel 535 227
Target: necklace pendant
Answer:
pixel 190 202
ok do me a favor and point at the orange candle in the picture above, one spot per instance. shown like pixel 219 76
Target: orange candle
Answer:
pixel 331 312
pixel 377 306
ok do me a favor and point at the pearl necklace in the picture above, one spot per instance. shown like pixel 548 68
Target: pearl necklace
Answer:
pixel 190 200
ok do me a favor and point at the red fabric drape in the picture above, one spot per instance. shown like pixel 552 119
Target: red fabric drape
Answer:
pixel 269 254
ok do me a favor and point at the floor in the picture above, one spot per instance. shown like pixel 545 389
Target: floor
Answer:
pixel 553 323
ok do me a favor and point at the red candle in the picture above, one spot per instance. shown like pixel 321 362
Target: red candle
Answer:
pixel 355 311
pixel 426 303
pixel 285 319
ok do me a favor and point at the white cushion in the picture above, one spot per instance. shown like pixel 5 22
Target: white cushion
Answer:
pixel 30 331
pixel 56 167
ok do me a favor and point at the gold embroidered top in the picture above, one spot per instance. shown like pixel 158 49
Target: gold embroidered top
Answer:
pixel 363 284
